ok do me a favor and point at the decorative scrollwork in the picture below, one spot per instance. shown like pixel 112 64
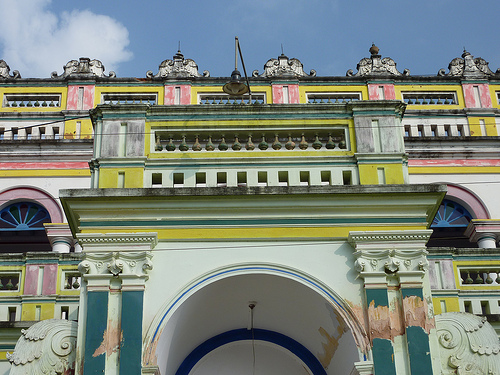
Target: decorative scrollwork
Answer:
pixel 467 67
pixel 47 347
pixel 283 67
pixel 5 71
pixel 376 66
pixel 115 266
pixel 177 67
pixel 84 66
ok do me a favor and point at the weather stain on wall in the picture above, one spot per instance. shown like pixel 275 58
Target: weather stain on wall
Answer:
pixel 332 341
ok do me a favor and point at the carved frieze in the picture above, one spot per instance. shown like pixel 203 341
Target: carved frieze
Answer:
pixel 283 67
pixel 47 347
pixel 375 65
pixel 468 344
pixel 467 67
pixel 5 71
pixel 116 263
pixel 84 66
pixel 178 67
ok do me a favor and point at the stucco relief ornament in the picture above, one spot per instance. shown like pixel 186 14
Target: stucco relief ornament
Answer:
pixel 284 67
pixel 468 67
pixel 5 71
pixel 376 66
pixel 178 67
pixel 84 66
pixel 469 345
pixel 47 347
pixel 115 266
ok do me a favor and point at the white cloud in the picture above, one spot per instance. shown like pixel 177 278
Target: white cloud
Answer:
pixel 36 41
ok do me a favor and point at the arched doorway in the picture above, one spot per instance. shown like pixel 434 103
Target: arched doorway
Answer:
pixel 299 327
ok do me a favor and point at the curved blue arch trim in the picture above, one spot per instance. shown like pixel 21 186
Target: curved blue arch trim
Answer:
pixel 244 334
pixel 244 269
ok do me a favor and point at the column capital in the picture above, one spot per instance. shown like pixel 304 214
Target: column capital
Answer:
pixel 130 268
pixel 60 237
pixel 485 232
pixel 398 253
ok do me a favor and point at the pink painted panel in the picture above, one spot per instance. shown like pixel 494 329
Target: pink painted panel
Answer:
pixel 389 92
pixel 278 94
pixel 484 92
pixel 88 96
pixel 470 102
pixel 185 98
pixel 49 279
pixel 293 92
pixel 373 92
pixel 31 280
pixel 25 193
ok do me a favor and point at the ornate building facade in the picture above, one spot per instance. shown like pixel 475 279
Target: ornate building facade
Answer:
pixel 319 225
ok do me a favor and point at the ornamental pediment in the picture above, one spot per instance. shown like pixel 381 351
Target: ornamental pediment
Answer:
pixel 467 67
pixel 375 65
pixel 284 67
pixel 178 67
pixel 85 67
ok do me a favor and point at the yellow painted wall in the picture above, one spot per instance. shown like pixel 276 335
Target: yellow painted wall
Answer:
pixel 368 174
pixel 62 90
pixel 29 311
pixel 85 129
pixel 304 90
pixel 134 177
pixel 489 124
pixel 452 304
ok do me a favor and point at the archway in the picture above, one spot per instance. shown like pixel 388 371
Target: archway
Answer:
pixel 302 312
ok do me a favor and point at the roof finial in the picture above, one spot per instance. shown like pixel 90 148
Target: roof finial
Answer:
pixel 179 49
pixel 282 49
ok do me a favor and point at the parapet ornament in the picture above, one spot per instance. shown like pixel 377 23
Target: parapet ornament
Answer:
pixel 376 66
pixel 84 66
pixel 467 67
pixel 178 67
pixel 47 347
pixel 5 71
pixel 468 344
pixel 284 67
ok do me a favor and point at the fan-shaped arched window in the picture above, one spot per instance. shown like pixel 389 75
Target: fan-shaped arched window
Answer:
pixel 23 216
pixel 449 225
pixel 451 214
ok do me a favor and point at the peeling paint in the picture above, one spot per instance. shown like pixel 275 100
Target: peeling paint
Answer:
pixel 111 340
pixel 416 313
pixel 330 347
pixel 384 323
pixel 151 358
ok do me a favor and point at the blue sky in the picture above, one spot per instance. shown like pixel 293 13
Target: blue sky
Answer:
pixel 330 36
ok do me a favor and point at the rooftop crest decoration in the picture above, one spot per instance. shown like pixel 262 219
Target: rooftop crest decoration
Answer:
pixel 84 66
pixel 47 347
pixel 468 67
pixel 5 71
pixel 376 66
pixel 284 67
pixel 178 67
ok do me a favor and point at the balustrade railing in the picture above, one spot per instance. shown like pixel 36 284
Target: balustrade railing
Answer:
pixel 480 276
pixel 72 281
pixel 436 130
pixel 329 98
pixel 9 282
pixel 430 98
pixel 332 139
pixel 219 99
pixel 129 98
pixel 32 100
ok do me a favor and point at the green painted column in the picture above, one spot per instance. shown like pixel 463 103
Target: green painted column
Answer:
pixel 415 312
pixel 96 325
pixel 380 334
pixel 131 324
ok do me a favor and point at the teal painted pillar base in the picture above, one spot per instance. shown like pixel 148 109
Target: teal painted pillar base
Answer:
pixel 131 325
pixel 382 348
pixel 96 325
pixel 417 337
